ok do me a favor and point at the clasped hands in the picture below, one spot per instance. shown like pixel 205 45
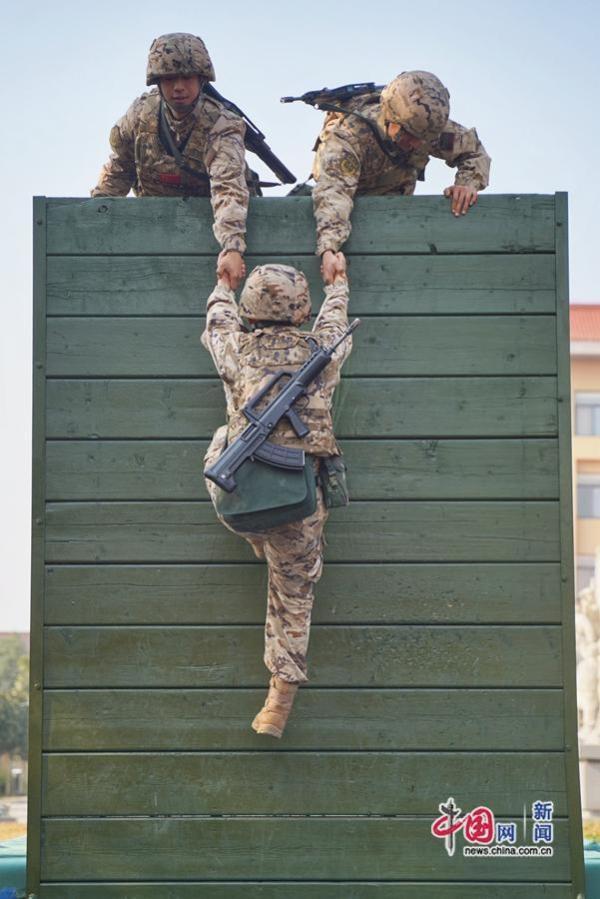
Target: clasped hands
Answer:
pixel 333 267
pixel 231 268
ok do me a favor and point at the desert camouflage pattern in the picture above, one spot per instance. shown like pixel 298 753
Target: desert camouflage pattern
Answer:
pixel 276 293
pixel 293 552
pixel 349 161
pixel 215 147
pixel 246 360
pixel 294 556
pixel 178 53
pixel 419 102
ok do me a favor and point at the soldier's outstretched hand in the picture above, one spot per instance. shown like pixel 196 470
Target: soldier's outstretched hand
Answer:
pixel 332 265
pixel 462 198
pixel 231 267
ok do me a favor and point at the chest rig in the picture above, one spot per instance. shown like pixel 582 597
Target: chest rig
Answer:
pixel 158 172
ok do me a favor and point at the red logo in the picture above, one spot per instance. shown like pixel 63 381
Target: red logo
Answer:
pixel 166 178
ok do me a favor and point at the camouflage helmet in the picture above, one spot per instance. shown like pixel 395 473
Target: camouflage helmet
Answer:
pixel 276 293
pixel 178 54
pixel 419 102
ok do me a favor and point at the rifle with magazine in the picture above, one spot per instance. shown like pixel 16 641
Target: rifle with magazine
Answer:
pixel 253 442
pixel 329 99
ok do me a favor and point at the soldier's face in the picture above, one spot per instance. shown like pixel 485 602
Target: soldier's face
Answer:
pixel 180 91
pixel 404 140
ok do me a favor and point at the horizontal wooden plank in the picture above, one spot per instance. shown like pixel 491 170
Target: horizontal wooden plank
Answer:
pixel 415 345
pixel 408 719
pixel 362 532
pixel 380 285
pixel 367 407
pixel 349 656
pixel 378 469
pixel 507 593
pixel 273 848
pixel 297 783
pixel 499 223
pixel 291 890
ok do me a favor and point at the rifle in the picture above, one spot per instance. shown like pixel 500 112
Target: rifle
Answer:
pixel 252 442
pixel 255 139
pixel 321 98
pixel 328 99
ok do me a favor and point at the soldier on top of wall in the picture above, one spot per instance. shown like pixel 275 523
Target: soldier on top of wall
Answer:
pixel 380 143
pixel 208 138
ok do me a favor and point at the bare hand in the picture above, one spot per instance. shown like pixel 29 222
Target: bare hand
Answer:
pixel 333 267
pixel 462 198
pixel 231 268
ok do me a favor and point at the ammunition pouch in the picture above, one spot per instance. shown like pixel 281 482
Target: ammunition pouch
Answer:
pixel 332 478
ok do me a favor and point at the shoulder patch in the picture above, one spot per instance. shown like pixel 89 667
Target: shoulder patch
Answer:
pixel 447 140
pixel 349 165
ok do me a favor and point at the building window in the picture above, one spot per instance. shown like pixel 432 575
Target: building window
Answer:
pixel 588 496
pixel 585 572
pixel 587 413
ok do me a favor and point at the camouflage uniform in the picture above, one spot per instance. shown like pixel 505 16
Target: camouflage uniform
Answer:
pixel 211 141
pixel 349 160
pixel 245 361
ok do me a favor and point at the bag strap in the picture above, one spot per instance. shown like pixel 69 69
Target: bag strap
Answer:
pixel 166 139
pixel 164 133
pixel 396 155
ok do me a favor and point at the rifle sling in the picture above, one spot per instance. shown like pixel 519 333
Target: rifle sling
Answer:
pixel 166 139
pixel 396 156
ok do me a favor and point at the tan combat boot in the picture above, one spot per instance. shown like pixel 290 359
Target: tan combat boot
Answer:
pixel 273 716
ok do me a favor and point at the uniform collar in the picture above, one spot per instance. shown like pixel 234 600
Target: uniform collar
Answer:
pixel 182 127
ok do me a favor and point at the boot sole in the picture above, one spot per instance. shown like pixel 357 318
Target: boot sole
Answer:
pixel 266 729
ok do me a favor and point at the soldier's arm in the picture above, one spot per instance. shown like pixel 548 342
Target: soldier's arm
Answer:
pixel 332 320
pixel 225 163
pixel 118 175
pixel 461 148
pixel 223 325
pixel 337 172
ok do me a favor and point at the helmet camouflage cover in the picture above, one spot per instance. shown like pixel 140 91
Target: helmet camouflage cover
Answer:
pixel 178 54
pixel 419 102
pixel 277 293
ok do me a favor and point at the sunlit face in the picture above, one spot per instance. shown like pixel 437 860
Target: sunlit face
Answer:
pixel 180 91
pixel 404 139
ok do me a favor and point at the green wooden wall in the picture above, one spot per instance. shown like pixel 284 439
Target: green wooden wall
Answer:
pixel 442 649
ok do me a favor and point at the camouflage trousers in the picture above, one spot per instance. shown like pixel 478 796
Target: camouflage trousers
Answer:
pixel 294 556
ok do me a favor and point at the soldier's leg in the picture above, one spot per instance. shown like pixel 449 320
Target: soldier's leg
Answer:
pixel 294 554
pixel 215 448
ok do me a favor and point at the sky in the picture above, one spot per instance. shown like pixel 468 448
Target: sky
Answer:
pixel 525 73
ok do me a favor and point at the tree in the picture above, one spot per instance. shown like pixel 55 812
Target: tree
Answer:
pixel 14 695
pixel 11 650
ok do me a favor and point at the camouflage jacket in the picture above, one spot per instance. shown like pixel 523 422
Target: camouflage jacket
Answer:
pixel 215 147
pixel 350 161
pixel 246 360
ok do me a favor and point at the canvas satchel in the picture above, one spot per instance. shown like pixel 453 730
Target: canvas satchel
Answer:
pixel 267 497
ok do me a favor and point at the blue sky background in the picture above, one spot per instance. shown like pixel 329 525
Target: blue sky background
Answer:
pixel 526 74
